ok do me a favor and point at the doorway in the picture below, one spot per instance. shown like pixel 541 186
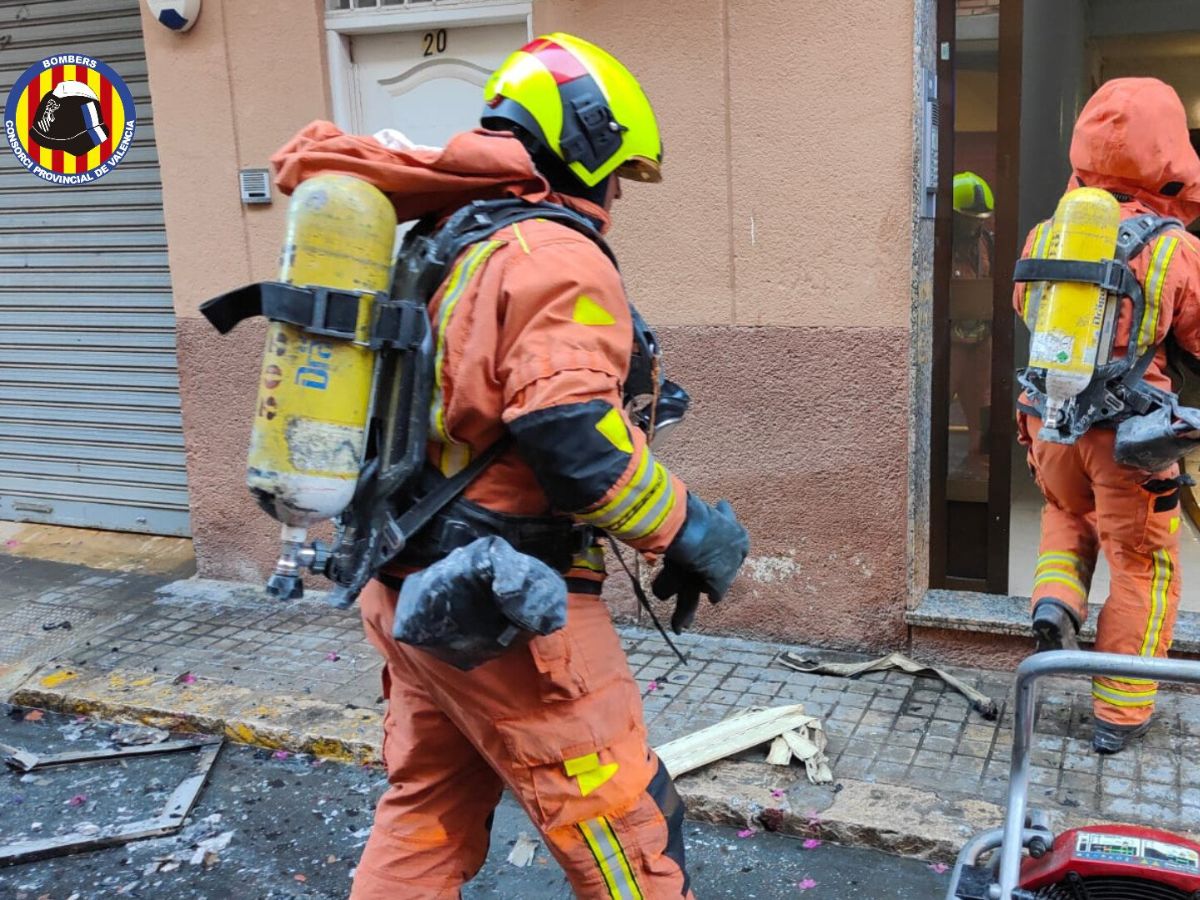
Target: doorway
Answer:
pixel 1013 76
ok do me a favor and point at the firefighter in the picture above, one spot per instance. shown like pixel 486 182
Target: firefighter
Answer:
pixel 1131 140
pixel 971 339
pixel 534 336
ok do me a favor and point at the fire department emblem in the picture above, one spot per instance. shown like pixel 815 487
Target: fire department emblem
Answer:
pixel 70 119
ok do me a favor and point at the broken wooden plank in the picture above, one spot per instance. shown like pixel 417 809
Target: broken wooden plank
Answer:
pixel 731 736
pixel 780 753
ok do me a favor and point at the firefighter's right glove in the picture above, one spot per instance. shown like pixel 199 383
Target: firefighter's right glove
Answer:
pixel 704 558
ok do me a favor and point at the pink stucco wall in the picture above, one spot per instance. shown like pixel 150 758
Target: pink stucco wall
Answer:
pixel 775 257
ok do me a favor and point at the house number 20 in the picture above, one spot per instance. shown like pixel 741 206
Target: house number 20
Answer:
pixel 435 42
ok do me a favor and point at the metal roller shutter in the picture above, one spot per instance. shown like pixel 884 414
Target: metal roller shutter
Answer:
pixel 90 429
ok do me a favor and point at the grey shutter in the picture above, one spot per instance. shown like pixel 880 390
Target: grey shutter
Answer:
pixel 90 430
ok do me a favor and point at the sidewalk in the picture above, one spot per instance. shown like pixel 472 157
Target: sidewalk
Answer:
pixel 915 771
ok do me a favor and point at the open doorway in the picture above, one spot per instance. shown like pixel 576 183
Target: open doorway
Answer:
pixel 1116 43
pixel 1014 74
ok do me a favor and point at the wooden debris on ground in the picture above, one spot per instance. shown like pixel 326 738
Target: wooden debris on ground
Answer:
pixel 791 732
pixel 523 851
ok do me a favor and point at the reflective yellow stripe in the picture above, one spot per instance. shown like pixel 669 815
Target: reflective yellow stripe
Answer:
pixel 641 506
pixel 1041 236
pixel 657 506
pixel 453 459
pixel 1164 568
pixel 591 559
pixel 455 287
pixel 1063 557
pixel 1156 278
pixel 520 237
pixel 1124 698
pixel 618 505
pixel 1064 579
pixel 611 859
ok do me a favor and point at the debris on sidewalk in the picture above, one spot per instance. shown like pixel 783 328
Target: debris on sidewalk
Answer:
pixel 89 836
pixel 523 851
pixel 131 735
pixel 981 703
pixel 24 761
pixel 802 736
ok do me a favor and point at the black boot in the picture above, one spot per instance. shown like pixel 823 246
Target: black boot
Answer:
pixel 1108 738
pixel 1054 626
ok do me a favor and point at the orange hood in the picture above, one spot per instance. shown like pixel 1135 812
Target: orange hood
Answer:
pixel 474 165
pixel 1132 138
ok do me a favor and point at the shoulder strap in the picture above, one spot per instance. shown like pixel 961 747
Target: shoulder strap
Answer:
pixel 473 223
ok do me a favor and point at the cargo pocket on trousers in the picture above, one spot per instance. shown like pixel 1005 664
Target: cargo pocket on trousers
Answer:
pixel 565 756
pixel 1163 509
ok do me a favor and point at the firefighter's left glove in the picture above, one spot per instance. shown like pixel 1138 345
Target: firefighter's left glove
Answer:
pixel 704 558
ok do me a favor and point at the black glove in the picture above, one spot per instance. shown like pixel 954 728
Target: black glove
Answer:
pixel 704 558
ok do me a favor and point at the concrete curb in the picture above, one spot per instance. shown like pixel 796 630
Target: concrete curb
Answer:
pixel 738 792
pixel 280 722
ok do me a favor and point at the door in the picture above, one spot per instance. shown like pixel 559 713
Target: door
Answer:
pixel 90 429
pixel 427 84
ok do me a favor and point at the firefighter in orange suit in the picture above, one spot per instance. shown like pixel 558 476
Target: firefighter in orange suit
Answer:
pixel 1131 139
pixel 534 335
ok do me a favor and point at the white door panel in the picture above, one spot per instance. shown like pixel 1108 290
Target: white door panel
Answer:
pixel 428 84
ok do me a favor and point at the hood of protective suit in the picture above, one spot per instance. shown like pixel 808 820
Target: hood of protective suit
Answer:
pixel 1132 138
pixel 422 181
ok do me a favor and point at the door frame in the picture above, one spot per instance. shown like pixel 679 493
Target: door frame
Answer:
pixel 342 25
pixel 994 578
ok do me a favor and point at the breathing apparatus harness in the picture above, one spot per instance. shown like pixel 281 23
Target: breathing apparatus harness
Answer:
pixel 397 496
pixel 1149 420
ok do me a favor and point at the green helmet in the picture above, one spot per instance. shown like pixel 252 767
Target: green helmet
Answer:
pixel 973 196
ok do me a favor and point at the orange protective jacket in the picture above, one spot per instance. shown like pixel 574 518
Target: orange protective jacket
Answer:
pixel 1132 140
pixel 532 320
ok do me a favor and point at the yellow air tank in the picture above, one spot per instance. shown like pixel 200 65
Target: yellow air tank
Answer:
pixel 314 395
pixel 1071 315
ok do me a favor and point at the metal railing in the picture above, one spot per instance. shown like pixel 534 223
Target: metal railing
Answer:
pixel 1014 835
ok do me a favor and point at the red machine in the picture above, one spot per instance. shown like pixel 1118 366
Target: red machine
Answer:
pixel 1102 862
pixel 1115 862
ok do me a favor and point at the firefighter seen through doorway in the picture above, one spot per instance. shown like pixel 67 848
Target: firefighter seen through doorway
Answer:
pixel 1104 287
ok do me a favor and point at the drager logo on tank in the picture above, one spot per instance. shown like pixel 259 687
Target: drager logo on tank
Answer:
pixel 70 119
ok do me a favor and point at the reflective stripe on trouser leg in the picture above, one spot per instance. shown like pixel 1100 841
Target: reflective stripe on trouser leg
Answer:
pixel 1135 693
pixel 1065 576
pixel 610 857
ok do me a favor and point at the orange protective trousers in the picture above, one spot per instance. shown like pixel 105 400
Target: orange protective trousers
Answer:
pixel 1094 503
pixel 559 723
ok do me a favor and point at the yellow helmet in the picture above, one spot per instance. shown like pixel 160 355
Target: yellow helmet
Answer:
pixel 973 196
pixel 579 103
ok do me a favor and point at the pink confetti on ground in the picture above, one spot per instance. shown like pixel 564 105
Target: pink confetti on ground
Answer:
pixel 940 868
pixel 12 543
pixel 186 678
pixel 652 687
pixel 811 844
pixel 814 818
pixel 281 754
pixel 79 719
pixel 777 793
pixel 331 657
pixel 806 885
pixel 77 800
pixel 747 832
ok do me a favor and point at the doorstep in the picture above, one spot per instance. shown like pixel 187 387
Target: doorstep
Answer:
pixel 996 614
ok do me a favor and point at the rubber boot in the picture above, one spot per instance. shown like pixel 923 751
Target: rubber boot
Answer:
pixel 1108 738
pixel 1054 626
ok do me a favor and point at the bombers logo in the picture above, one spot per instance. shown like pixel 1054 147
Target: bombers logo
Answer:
pixel 69 119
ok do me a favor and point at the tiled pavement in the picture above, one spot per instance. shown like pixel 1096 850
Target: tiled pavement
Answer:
pixel 884 728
